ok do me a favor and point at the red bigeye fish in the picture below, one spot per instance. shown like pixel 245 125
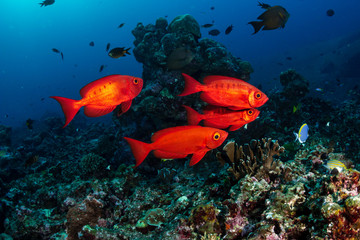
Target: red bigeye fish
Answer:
pixel 178 142
pixel 101 96
pixel 224 91
pixel 219 117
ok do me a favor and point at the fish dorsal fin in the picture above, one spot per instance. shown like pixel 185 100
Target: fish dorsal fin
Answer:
pixel 98 83
pixel 166 131
pixel 97 111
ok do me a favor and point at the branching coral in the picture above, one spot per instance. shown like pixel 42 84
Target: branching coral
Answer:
pixel 250 158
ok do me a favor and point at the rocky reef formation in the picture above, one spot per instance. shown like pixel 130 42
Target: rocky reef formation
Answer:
pixel 167 50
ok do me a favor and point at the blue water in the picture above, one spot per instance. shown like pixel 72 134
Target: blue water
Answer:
pixel 30 71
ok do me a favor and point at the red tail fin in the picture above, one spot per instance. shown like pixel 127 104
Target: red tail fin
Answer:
pixel 193 116
pixel 191 85
pixel 69 107
pixel 139 149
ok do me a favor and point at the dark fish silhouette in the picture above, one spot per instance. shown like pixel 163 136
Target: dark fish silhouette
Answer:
pixel 179 58
pixel 212 8
pixel 273 18
pixel 229 29
pixel 92 44
pixel 107 47
pixel 121 25
pixel 330 12
pixel 119 52
pixel 31 160
pixel 62 56
pixel 47 3
pixel 101 68
pixel 55 50
pixel 29 123
pixel 214 32
pixel 207 25
pixel 289 58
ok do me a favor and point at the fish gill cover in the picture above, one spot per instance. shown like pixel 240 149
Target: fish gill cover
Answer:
pixel 78 182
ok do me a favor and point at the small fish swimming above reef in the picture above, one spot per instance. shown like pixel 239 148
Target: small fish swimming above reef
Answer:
pixel 330 12
pixel 225 91
pixel 179 58
pixel 119 52
pixel 101 68
pixel 107 47
pixel 229 29
pixel 219 117
pixel 92 44
pixel 55 50
pixel 207 25
pixel 121 25
pixel 178 142
pixel 47 3
pixel 101 96
pixel 214 32
pixel 29 123
pixel 273 18
pixel 303 133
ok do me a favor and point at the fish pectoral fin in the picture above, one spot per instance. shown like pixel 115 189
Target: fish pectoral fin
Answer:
pixel 197 157
pixel 97 111
pixel 125 106
pixel 235 127
pixel 168 155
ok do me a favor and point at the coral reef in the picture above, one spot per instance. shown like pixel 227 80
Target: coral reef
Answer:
pixel 5 135
pixel 252 159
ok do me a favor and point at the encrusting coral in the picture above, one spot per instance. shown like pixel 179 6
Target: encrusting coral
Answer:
pixel 251 158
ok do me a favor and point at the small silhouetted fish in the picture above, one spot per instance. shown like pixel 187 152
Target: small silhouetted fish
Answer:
pixel 119 52
pixel 62 56
pixel 273 18
pixel 289 58
pixel 179 58
pixel 101 68
pixel 31 160
pixel 92 44
pixel 330 12
pixel 29 123
pixel 212 8
pixel 207 25
pixel 264 5
pixel 6 116
pixel 42 99
pixel 121 25
pixel 214 32
pixel 55 50
pixel 107 47
pixel 47 3
pixel 229 29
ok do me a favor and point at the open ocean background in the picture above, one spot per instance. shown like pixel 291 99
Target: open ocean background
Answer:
pixel 30 72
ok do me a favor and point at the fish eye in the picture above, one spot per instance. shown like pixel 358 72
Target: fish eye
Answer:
pixel 135 81
pixel 258 95
pixel 216 136
pixel 250 112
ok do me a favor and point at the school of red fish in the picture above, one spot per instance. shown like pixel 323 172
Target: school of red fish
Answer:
pixel 231 104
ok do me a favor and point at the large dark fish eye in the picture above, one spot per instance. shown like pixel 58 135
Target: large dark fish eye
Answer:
pixel 258 95
pixel 216 136
pixel 250 112
pixel 135 81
